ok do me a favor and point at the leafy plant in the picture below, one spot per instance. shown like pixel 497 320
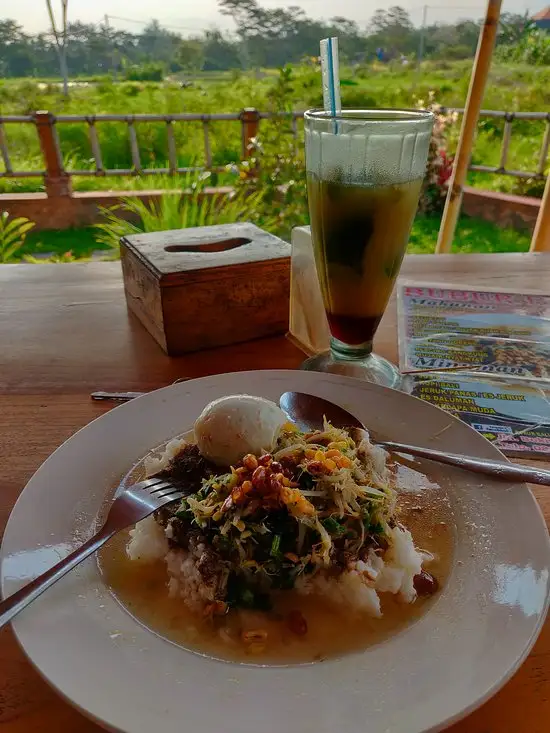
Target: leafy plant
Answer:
pixel 440 163
pixel 194 207
pixel 275 170
pixel 13 233
pixel 151 71
pixel 529 187
pixel 532 48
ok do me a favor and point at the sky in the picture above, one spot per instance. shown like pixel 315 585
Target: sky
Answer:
pixel 31 14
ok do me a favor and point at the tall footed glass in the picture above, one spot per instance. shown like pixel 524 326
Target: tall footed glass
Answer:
pixel 364 173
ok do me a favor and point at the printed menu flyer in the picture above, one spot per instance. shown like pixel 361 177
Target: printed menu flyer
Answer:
pixel 483 356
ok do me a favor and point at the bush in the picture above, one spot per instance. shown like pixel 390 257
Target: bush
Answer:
pixel 533 49
pixel 152 71
pixel 276 167
pixel 440 163
pixel 275 170
pixel 537 49
pixel 453 53
pixel 529 187
pixel 193 208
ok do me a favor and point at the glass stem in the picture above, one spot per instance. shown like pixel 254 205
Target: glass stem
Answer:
pixel 340 350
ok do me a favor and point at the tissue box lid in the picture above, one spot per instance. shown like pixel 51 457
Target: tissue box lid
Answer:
pixel 205 253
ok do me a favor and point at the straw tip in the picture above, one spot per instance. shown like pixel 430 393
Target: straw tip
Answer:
pixel 330 75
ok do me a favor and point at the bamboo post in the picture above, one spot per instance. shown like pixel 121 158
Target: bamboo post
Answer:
pixel 478 80
pixel 541 235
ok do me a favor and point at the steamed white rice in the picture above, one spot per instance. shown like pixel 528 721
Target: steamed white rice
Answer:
pixel 357 588
pixel 155 462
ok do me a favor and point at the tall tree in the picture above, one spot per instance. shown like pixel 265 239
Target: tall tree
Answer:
pixel 158 44
pixel 393 29
pixel 60 39
pixel 219 52
pixel 265 37
pixel 15 51
pixel 190 54
pixel 514 26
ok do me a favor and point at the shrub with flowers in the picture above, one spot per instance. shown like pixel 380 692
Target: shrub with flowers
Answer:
pixel 440 161
pixel 275 170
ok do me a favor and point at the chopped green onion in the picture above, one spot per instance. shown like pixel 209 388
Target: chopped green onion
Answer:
pixel 332 526
pixel 184 512
pixel 275 545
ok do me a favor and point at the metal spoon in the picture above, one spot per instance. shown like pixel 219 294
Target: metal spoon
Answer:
pixel 308 411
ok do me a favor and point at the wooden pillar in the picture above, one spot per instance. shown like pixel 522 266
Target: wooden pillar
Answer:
pixel 541 235
pixel 250 123
pixel 463 155
pixel 56 181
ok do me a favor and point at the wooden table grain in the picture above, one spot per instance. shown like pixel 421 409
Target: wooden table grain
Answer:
pixel 65 331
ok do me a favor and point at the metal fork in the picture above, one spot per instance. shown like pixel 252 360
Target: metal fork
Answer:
pixel 135 503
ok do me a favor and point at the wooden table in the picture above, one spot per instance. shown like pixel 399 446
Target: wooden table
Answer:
pixel 65 331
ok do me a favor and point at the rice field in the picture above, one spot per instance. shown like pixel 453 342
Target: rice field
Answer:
pixel 510 88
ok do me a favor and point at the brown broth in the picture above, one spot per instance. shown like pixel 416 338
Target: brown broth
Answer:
pixel 332 630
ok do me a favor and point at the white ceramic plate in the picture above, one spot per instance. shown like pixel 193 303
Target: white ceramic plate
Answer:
pixel 436 670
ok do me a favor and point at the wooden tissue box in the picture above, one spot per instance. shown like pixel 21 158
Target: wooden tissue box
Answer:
pixel 207 286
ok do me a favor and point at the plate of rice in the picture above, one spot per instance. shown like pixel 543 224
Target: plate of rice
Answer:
pixel 307 580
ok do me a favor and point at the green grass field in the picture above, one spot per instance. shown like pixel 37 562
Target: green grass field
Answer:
pixel 510 88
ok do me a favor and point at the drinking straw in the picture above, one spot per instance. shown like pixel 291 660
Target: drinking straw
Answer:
pixel 330 71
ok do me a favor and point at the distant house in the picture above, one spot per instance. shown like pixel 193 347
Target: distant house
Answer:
pixel 542 19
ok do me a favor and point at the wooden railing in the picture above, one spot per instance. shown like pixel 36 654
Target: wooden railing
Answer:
pixel 57 179
pixel 509 118
pixel 55 175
